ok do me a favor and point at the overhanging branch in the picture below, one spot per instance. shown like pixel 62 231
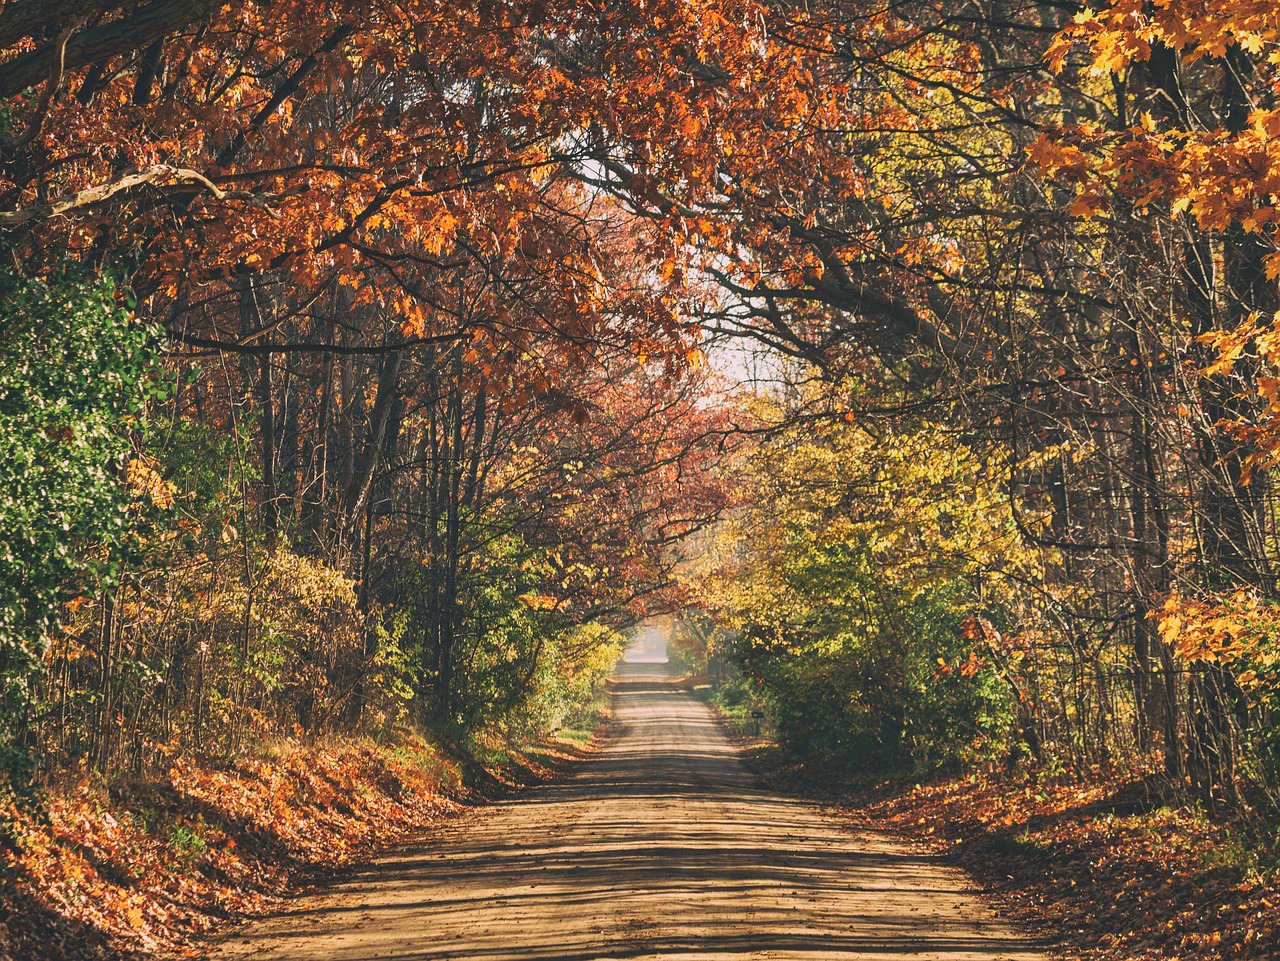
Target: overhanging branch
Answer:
pixel 158 175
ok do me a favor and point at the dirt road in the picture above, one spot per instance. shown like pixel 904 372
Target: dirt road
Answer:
pixel 661 846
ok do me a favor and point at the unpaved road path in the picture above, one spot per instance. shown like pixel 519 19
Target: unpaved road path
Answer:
pixel 660 847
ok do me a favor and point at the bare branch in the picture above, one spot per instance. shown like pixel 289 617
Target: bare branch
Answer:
pixel 158 175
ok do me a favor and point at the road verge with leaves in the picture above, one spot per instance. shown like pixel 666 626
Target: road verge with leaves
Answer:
pixel 1104 871
pixel 161 867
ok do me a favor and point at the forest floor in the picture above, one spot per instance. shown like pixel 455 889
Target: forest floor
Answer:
pixel 1105 871
pixel 91 870
pixel 1102 872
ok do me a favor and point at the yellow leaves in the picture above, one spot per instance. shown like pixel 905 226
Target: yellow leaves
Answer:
pixel 1240 632
pixel 1267 340
pixel 1250 42
pixel 143 480
pixel 1228 351
pixel 1170 625
pixel 1230 345
pixel 913 509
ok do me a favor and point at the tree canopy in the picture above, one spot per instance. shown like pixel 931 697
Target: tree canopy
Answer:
pixel 442 314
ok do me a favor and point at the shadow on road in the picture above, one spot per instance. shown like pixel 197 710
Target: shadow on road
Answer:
pixel 662 846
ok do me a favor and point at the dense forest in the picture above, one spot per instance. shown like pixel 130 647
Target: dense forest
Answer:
pixel 367 370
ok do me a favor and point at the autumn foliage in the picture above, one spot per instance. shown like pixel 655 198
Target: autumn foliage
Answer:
pixel 101 875
pixel 380 363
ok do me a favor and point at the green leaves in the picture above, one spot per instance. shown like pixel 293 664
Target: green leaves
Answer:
pixel 858 558
pixel 75 372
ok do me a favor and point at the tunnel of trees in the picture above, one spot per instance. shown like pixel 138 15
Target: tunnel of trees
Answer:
pixel 369 365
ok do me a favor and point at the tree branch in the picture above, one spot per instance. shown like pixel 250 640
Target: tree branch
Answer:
pixel 157 175
pixel 56 73
pixel 238 347
pixel 158 19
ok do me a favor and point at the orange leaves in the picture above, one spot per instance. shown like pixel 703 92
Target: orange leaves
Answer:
pixel 1116 36
pixel 538 602
pixel 153 879
pixel 968 669
pixel 1221 177
pixel 1118 874
pixel 340 161
pixel 1240 632
pixel 1257 337
pixel 437 232
pixel 1125 32
pixel 414 317
pixel 1056 158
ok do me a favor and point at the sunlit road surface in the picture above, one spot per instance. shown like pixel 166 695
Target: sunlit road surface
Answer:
pixel 661 846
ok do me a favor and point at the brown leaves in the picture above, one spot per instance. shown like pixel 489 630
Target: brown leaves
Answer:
pixel 1101 868
pixel 149 874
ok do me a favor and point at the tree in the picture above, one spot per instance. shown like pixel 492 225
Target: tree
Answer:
pixel 861 551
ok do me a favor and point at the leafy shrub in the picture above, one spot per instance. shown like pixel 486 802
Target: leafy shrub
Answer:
pixel 75 370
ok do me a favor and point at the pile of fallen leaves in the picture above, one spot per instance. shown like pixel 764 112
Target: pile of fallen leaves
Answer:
pixel 1104 872
pixel 87 873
